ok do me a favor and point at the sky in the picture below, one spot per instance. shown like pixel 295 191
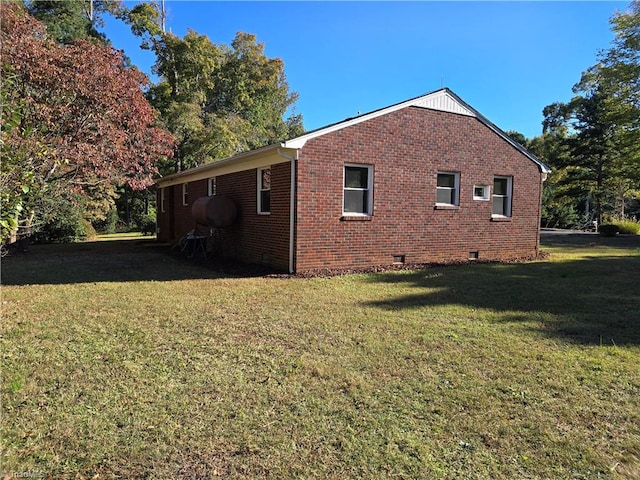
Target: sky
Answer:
pixel 508 60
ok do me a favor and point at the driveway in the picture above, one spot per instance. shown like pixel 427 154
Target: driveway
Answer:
pixel 553 236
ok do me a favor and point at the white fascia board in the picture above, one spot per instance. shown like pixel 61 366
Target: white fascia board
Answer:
pixel 263 157
pixel 544 169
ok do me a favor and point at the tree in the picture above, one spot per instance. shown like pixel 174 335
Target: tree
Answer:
pixel 600 126
pixel 591 140
pixel 187 67
pixel 15 180
pixel 73 20
pixel 559 194
pixel 618 73
pixel 85 123
pixel 619 67
pixel 217 100
pixel 517 137
pixel 253 87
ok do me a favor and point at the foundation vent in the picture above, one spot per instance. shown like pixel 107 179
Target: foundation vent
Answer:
pixel 399 259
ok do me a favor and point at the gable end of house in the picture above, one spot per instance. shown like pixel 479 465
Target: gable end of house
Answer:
pixel 443 100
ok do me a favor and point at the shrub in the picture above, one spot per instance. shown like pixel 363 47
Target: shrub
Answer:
pixel 68 224
pixel 608 229
pixel 627 226
pixel 148 225
pixel 90 233
pixel 108 224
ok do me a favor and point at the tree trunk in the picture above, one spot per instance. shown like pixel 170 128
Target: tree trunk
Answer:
pixel 598 196
pixel 127 215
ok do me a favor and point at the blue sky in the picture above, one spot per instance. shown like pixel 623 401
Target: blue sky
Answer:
pixel 506 59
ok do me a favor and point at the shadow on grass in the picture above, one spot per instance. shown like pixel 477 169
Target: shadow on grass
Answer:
pixel 590 301
pixel 113 261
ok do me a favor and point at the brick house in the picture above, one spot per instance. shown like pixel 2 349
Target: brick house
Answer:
pixel 425 180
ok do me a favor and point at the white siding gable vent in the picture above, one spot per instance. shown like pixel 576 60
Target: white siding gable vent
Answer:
pixel 444 102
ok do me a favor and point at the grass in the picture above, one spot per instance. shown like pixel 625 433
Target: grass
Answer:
pixel 120 361
pixel 109 237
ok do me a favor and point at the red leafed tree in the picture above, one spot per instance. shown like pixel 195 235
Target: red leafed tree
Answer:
pixel 85 123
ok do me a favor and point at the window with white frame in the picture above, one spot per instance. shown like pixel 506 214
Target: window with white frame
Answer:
pixel 481 192
pixel 502 192
pixel 358 190
pixel 185 194
pixel 448 189
pixel 211 186
pixel 162 199
pixel 264 191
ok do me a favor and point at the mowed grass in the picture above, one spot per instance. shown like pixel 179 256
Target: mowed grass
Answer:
pixel 120 361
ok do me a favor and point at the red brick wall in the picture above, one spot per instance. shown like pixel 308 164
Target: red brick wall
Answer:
pixel 407 148
pixel 260 238
pixel 254 238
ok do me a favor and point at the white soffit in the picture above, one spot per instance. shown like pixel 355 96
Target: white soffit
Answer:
pixel 442 101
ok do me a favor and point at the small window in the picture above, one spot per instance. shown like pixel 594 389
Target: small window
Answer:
pixel 448 188
pixel 264 191
pixel 162 199
pixel 211 186
pixel 481 192
pixel 502 187
pixel 358 190
pixel 185 194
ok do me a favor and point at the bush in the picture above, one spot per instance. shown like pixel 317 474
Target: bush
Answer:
pixel 90 233
pixel 65 222
pixel 627 226
pixel 608 229
pixel 109 224
pixel 148 225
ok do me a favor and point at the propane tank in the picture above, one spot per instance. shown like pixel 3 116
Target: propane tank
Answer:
pixel 216 211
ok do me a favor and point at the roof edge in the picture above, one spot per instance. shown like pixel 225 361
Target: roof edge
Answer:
pixel 218 163
pixel 488 123
pixel 431 101
pixel 299 142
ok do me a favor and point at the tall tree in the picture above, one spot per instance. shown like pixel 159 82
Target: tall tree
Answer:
pixel 620 71
pixel 217 100
pixel 85 123
pixel 187 67
pixel 601 125
pixel 619 67
pixel 594 158
pixel 73 20
pixel 253 87
pixel 559 207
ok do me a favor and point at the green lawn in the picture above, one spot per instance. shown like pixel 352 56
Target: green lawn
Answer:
pixel 121 361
